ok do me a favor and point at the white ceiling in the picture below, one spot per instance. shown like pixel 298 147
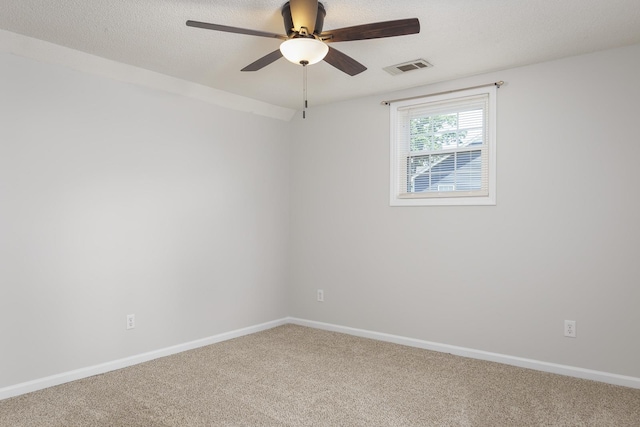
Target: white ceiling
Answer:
pixel 459 37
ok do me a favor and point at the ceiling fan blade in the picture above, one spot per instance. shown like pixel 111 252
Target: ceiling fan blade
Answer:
pixel 264 61
pixel 236 30
pixel 304 13
pixel 344 62
pixel 401 27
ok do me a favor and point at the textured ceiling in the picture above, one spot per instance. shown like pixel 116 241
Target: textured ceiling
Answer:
pixel 459 37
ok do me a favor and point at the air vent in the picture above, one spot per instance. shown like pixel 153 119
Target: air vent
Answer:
pixel 405 67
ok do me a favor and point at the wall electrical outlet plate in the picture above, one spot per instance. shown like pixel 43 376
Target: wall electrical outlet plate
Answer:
pixel 320 295
pixel 570 328
pixel 131 321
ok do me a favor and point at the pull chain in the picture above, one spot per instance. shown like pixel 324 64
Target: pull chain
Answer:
pixel 304 88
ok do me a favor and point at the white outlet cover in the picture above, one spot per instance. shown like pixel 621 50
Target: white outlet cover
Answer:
pixel 131 321
pixel 570 328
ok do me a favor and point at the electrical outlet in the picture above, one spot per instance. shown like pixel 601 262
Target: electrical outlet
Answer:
pixel 320 295
pixel 570 328
pixel 131 321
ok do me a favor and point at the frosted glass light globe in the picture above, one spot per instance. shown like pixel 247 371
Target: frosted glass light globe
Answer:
pixel 304 50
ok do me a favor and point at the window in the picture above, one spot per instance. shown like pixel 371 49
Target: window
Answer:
pixel 443 149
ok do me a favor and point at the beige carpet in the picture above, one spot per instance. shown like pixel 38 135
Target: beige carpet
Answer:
pixel 297 376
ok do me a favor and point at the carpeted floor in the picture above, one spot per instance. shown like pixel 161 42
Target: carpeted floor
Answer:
pixel 297 376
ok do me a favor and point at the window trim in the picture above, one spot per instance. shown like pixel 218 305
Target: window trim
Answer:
pixel 445 198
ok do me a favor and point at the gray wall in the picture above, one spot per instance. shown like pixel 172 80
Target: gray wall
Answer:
pixel 562 242
pixel 115 199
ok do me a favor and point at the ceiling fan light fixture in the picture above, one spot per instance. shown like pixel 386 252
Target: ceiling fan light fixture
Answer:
pixel 304 50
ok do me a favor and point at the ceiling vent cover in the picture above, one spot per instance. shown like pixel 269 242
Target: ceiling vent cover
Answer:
pixel 405 67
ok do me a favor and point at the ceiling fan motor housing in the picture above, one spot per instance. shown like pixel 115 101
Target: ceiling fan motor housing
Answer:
pixel 289 28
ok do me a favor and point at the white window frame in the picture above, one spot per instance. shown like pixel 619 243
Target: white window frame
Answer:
pixel 448 198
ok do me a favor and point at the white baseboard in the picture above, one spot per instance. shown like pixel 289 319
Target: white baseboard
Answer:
pixel 65 377
pixel 537 365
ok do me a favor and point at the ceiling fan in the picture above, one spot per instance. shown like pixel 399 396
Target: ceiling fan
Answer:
pixel 305 43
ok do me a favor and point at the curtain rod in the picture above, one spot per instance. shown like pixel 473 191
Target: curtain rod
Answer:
pixel 499 83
